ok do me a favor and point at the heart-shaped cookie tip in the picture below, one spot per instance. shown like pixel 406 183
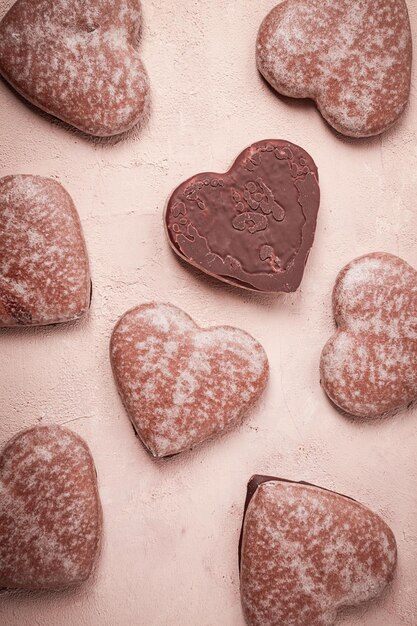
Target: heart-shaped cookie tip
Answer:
pixel 77 61
pixel 368 368
pixel 50 512
pixel 44 269
pixel 182 384
pixel 252 227
pixel 307 553
pixel 352 57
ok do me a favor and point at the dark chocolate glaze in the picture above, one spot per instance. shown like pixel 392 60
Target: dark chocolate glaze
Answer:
pixel 252 227
pixel 259 479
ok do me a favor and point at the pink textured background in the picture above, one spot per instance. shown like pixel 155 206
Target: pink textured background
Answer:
pixel 171 528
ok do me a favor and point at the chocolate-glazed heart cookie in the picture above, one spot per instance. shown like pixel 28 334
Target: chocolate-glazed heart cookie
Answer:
pixel 307 553
pixel 352 57
pixel 368 368
pixel 182 384
pixel 44 269
pixel 252 227
pixel 50 512
pixel 77 61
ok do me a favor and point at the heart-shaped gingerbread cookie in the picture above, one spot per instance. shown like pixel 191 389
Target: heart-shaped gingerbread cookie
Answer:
pixel 307 553
pixel 352 57
pixel 368 368
pixel 78 61
pixel 50 512
pixel 182 384
pixel 252 227
pixel 44 270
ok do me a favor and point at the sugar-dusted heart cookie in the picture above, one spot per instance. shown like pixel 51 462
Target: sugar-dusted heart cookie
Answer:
pixel 50 512
pixel 44 270
pixel 182 384
pixel 252 227
pixel 352 57
pixel 78 61
pixel 307 553
pixel 369 367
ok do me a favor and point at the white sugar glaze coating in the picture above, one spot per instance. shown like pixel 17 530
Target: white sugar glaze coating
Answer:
pixel 353 57
pixel 368 368
pixel 182 384
pixel 50 512
pixel 44 269
pixel 78 61
pixel 306 553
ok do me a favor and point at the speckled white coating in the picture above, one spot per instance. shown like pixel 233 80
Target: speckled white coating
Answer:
pixel 182 384
pixel 50 513
pixel 353 57
pixel 44 270
pixel 307 553
pixel 78 61
pixel 368 368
